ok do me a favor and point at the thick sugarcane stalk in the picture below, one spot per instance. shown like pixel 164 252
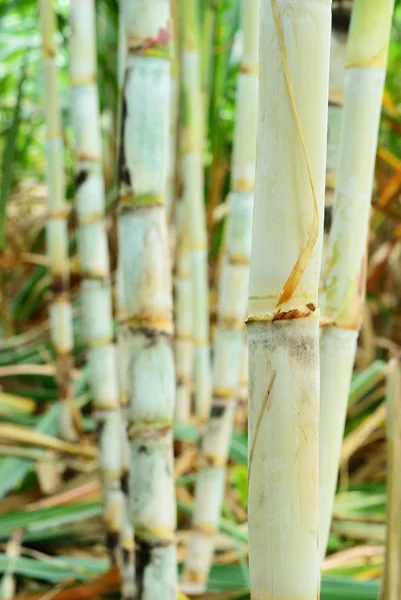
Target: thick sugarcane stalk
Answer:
pixel 283 323
pixel 392 567
pixel 344 295
pixel 145 290
pixel 231 314
pixel 94 260
pixel 192 176
pixel 57 230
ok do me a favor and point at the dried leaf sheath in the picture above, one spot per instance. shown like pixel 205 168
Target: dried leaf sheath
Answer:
pixel 57 231
pixel 145 293
pixel 283 324
pixel 231 313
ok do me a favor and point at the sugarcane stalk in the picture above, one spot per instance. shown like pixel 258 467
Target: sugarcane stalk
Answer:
pixel 336 93
pixel 231 313
pixel 96 291
pixel 127 556
pixel 192 147
pixel 183 325
pixel 208 31
pixel 57 230
pixel 392 570
pixel 344 295
pixel 283 323
pixel 174 106
pixel 145 293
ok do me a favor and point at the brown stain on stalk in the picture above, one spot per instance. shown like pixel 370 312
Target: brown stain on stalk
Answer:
pixel 302 262
pixel 161 39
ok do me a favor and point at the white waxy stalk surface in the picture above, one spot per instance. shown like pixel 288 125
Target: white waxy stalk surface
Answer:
pixel 231 314
pixel 283 324
pixel 344 289
pixel 94 259
pixel 145 293
pixel 57 229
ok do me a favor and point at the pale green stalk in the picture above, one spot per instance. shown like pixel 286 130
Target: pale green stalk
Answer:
pixel 208 30
pixel 283 326
pixel 183 324
pixel 231 314
pixel 145 293
pixel 174 106
pixel 192 170
pixel 344 289
pixel 57 229
pixel 95 267
pixel 336 93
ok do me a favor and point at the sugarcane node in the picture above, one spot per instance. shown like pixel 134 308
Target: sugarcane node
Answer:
pixel 294 313
pixel 81 177
pixel 149 430
pixel 180 380
pixel 59 284
pixel 160 41
pixel 143 554
pixel 48 51
pixel 192 576
pixel 236 260
pixel 152 332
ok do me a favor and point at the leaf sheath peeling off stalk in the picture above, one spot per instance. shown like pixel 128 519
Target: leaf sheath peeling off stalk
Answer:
pixel 283 322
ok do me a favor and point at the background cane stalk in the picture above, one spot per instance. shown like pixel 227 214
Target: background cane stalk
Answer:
pixel 192 177
pixel 57 230
pixel 344 295
pixel 231 313
pixel 283 324
pixel 145 289
pixel 95 267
